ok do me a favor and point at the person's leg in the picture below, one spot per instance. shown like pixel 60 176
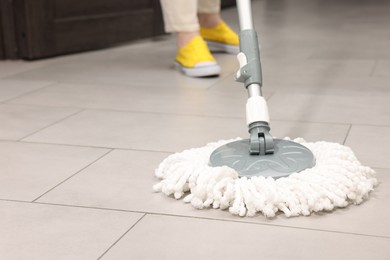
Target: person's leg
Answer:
pixel 180 18
pixel 208 20
pixel 209 6
pixel 180 15
pixel 185 23
pixel 213 29
pixel 209 13
pixel 193 57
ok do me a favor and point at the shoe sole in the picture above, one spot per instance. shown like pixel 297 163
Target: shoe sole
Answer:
pixel 203 71
pixel 218 47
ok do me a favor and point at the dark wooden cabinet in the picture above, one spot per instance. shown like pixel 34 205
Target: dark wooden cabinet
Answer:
pixel 8 41
pixel 45 28
pixel 34 29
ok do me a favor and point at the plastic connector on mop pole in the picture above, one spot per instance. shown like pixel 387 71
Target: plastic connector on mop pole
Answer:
pixel 256 110
pixel 249 59
pixel 260 141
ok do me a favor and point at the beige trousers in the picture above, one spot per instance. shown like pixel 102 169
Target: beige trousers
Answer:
pixel 181 15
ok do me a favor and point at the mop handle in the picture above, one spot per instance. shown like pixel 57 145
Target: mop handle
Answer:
pixel 257 116
pixel 249 56
pixel 245 14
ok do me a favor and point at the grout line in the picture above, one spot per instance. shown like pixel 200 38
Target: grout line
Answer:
pixel 47 63
pixel 94 83
pixel 328 123
pixel 43 106
pixel 205 116
pixel 77 172
pixel 89 146
pixel 373 69
pixel 272 225
pixel 52 124
pixel 221 79
pixel 380 168
pixel 49 84
pixel 198 217
pixel 270 96
pixel 82 109
pixel 59 144
pixel 197 115
pixel 130 111
pixel 346 136
pixel 167 113
pixel 124 234
pixel 163 151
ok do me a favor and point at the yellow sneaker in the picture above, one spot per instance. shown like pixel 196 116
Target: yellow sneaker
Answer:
pixel 195 59
pixel 221 38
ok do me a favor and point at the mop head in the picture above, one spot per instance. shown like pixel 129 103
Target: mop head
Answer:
pixel 337 180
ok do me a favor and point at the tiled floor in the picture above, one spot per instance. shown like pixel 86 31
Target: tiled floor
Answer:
pixel 81 135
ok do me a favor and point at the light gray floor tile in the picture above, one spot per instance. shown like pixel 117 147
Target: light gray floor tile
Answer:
pixel 29 170
pixel 127 178
pixel 311 132
pixel 54 232
pixel 135 98
pixel 90 72
pixel 9 68
pixel 371 144
pixel 315 85
pixel 166 237
pixel 19 121
pixel 318 68
pixel 349 52
pixel 135 71
pixel 145 131
pixel 144 51
pixel 340 86
pixel 330 108
pixel 13 88
pixel 382 69
pixel 161 132
pixel 369 218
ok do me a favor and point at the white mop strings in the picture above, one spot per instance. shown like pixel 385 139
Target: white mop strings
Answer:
pixel 337 179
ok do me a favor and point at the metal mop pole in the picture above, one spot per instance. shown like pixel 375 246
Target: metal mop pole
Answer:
pixel 261 141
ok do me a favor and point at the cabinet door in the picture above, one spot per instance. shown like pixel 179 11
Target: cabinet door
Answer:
pixel 2 49
pixel 52 27
pixel 8 43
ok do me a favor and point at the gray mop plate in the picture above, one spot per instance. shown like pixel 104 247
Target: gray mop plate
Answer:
pixel 288 157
